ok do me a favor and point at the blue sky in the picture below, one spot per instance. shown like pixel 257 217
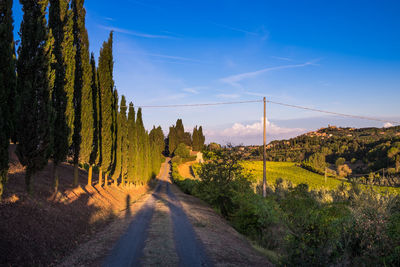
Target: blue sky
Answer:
pixel 342 56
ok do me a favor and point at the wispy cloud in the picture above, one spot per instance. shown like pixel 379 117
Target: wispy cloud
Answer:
pixel 135 33
pixel 282 58
pixel 235 79
pixel 236 29
pixel 108 18
pixel 174 57
pixel 193 90
pixel 231 96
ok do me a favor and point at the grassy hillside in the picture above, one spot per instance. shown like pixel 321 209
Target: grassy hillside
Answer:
pixel 291 172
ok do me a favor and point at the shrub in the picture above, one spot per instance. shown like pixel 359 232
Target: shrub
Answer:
pixel 182 151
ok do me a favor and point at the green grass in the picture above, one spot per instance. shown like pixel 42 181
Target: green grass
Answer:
pixel 297 175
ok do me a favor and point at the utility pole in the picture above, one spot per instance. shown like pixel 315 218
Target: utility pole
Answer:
pixel 264 153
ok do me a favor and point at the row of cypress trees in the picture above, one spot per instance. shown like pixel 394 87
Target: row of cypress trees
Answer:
pixel 56 104
pixel 178 135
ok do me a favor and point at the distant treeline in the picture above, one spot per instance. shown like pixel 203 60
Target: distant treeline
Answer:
pixel 367 149
pixel 55 103
pixel 177 136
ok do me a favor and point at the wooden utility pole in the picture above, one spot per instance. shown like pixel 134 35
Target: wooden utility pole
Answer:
pixel 265 152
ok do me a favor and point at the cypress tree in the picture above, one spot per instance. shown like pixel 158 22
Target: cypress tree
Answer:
pixel 202 138
pixel 69 52
pixel 141 139
pixel 123 133
pixel 94 156
pixel 59 97
pixel 132 144
pixel 172 140
pixel 7 86
pixel 100 125
pixel 114 130
pixel 106 85
pixel 83 102
pixel 195 139
pixel 180 132
pixel 33 91
pixel 117 157
pixel 157 146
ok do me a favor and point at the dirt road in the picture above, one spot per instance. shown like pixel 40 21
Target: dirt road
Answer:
pixel 132 249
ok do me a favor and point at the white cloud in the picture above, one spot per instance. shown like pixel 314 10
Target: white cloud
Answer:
pixel 194 90
pixel 251 133
pixel 135 33
pixel 235 79
pixel 231 96
pixel 387 125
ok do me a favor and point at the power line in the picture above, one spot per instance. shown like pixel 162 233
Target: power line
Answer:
pixel 272 102
pixel 202 104
pixel 333 113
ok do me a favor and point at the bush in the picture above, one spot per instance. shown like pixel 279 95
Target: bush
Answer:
pixel 182 151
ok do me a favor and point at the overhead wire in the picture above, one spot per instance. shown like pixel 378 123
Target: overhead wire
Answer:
pixel 276 103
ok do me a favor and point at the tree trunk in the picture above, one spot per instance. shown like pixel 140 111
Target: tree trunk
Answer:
pixel 100 177
pixel 76 173
pixel 55 177
pixel 28 182
pixel 106 179
pixel 90 175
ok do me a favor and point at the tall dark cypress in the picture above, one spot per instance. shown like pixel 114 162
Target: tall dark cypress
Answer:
pixel 106 83
pixel 94 156
pixel 59 98
pixel 7 86
pixel 114 133
pixel 122 143
pixel 172 140
pixel 33 91
pixel 141 146
pixel 83 124
pixel 69 53
pixel 202 138
pixel 132 145
pixel 123 131
pixel 195 139
pixel 116 150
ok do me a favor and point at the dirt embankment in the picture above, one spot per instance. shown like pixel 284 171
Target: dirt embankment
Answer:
pixel 44 228
pixel 185 170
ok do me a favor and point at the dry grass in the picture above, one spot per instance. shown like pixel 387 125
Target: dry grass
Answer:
pixel 44 228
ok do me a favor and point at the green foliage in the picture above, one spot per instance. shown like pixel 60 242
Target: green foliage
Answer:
pixel 316 163
pixel 340 161
pixel 7 87
pixel 297 175
pixel 83 85
pixel 34 110
pixel 182 151
pixel 132 145
pixel 60 130
pixel 95 156
pixel 106 83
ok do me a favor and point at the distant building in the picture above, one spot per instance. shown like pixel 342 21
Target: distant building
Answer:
pixel 199 156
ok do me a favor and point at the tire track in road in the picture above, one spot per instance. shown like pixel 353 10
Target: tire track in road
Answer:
pixel 189 248
pixel 129 250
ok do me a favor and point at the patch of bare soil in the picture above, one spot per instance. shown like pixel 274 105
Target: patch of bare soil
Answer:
pixel 224 244
pixel 185 171
pixel 44 228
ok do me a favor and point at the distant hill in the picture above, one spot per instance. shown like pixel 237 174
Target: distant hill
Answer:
pixel 364 150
